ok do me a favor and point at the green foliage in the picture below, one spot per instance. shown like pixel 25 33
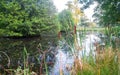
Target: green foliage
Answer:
pixel 66 20
pixel 26 17
pixel 86 3
pixel 107 11
pixel 66 25
pixel 104 64
pixel 115 31
pixel 84 22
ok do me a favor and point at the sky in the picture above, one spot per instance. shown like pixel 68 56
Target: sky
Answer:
pixel 60 5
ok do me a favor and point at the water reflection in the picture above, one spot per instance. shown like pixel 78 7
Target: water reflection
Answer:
pixel 64 57
pixel 14 48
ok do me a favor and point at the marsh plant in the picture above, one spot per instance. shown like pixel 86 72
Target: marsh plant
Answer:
pixel 26 69
pixel 106 63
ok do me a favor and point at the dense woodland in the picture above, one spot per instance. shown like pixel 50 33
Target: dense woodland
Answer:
pixel 27 17
pixel 36 17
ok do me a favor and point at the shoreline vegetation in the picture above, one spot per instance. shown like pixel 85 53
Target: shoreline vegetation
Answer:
pixel 31 30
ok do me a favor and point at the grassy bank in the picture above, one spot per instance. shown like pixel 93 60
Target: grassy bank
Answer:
pixel 106 63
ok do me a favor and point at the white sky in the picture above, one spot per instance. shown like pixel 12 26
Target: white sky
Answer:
pixel 60 5
pixel 90 11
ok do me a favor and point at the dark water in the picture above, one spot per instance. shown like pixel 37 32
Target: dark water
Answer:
pixel 14 48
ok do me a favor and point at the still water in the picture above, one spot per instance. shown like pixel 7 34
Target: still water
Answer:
pixel 61 53
pixel 14 48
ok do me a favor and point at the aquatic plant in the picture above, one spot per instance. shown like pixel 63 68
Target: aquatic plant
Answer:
pixel 107 63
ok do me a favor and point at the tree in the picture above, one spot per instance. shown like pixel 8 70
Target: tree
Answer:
pixel 84 22
pixel 107 12
pixel 86 3
pixel 76 11
pixel 27 17
pixel 66 20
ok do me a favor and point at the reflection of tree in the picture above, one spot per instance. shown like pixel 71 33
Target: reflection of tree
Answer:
pixel 6 56
pixel 14 48
pixel 46 58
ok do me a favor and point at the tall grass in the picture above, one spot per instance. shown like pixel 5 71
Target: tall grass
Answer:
pixel 106 63
pixel 26 69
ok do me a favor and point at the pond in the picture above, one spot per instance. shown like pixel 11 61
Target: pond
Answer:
pixel 14 49
pixel 48 48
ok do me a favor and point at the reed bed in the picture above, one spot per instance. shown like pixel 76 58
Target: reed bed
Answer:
pixel 105 63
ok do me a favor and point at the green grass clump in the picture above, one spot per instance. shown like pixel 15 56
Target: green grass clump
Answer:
pixel 106 63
